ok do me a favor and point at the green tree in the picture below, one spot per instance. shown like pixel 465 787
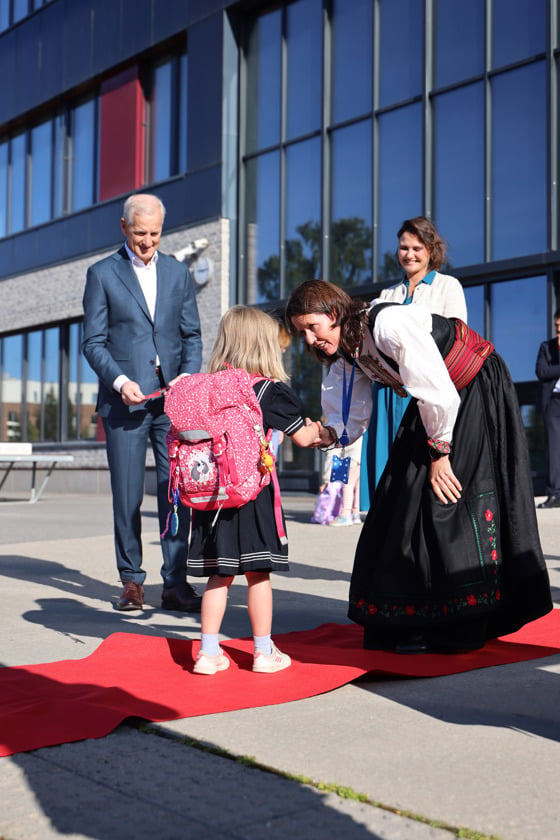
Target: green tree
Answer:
pixel 350 254
pixel 51 415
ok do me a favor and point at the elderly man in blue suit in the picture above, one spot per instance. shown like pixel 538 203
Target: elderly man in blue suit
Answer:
pixel 141 332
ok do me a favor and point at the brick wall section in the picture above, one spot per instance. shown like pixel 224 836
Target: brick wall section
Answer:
pixel 51 295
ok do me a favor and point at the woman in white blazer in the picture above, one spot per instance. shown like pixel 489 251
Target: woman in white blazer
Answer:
pixel 421 252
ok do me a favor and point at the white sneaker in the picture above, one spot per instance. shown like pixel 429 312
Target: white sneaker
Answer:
pixel 356 519
pixel 206 664
pixel 269 663
pixel 341 520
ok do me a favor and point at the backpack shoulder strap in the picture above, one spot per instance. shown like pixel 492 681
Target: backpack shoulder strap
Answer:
pixel 264 385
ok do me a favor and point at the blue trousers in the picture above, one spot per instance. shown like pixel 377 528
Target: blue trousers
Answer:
pixel 127 443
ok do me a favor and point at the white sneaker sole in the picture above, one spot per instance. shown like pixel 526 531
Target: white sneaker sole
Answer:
pixel 210 665
pixel 277 661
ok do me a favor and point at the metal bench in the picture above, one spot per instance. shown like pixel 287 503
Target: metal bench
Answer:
pixel 11 454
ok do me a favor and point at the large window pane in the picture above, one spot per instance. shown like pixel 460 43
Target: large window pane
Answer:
pixel 459 40
pixel 304 36
pixel 400 181
pixel 33 388
pixel 4 14
pixel 401 44
pixel 17 184
pixel 83 155
pixel 41 173
pixel 351 234
pixel 82 391
pixel 264 82
pixel 519 187
pixel 51 384
pixel 302 246
pixel 459 204
pixel 183 109
pixel 518 30
pixel 12 355
pixel 305 379
pixel 160 122
pixel 3 189
pixel 474 296
pixel 517 336
pixel 352 45
pixel 21 9
pixel 262 247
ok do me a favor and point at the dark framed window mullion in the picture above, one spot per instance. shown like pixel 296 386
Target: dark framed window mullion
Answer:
pixel 96 147
pixel 175 111
pixel 375 139
pixel 428 128
pixel 79 374
pixel 63 380
pixel 283 123
pixel 241 284
pixel 43 368
pixel 326 151
pixel 487 210
pixel 553 132
pixel 24 388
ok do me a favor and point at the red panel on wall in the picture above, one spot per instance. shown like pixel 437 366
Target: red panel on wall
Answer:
pixel 121 159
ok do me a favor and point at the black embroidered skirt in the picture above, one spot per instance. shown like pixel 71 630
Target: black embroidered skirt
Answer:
pixel 458 574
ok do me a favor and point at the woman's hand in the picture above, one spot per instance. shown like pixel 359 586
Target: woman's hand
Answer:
pixel 445 483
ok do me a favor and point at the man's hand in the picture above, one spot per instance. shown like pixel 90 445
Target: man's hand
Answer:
pixel 445 483
pixel 131 393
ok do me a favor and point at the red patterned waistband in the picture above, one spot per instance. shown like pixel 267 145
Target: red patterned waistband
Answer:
pixel 468 354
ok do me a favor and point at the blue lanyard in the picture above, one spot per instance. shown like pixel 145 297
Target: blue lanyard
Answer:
pixel 344 440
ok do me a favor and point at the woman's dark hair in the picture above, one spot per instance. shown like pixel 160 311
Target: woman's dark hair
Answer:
pixel 421 227
pixel 319 297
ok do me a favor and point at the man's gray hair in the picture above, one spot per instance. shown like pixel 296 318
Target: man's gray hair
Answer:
pixel 142 205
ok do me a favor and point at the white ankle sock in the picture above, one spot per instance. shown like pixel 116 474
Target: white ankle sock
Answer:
pixel 263 644
pixel 209 643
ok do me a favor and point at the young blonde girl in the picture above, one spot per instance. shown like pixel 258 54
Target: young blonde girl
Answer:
pixel 244 541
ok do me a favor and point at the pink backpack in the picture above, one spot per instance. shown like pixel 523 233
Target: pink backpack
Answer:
pixel 218 453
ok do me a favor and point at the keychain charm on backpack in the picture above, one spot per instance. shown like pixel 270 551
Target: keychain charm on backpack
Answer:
pixel 175 515
pixel 267 458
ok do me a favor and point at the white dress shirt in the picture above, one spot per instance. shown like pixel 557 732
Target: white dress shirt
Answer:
pixel 444 296
pixel 147 278
pixel 404 334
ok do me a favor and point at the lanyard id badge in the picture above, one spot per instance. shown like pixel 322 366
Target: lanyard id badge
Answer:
pixel 340 469
pixel 341 465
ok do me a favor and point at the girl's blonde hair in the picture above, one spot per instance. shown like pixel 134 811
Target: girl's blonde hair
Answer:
pixel 248 338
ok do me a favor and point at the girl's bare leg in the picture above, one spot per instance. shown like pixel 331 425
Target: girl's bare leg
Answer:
pixel 214 603
pixel 259 602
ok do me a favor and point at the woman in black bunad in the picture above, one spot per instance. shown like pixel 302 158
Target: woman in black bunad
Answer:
pixel 449 555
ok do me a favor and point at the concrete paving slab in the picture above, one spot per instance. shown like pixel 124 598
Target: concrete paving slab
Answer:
pixel 478 750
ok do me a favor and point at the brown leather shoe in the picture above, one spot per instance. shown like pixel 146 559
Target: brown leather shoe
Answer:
pixel 181 597
pixel 132 597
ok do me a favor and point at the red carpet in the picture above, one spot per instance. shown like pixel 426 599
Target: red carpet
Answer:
pixel 131 675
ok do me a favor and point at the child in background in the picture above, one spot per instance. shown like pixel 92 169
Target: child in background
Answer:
pixel 350 507
pixel 244 541
pixel 329 499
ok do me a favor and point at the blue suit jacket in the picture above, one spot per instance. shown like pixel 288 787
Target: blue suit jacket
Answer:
pixel 547 370
pixel 120 336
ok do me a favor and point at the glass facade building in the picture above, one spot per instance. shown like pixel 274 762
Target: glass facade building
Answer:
pixel 294 137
